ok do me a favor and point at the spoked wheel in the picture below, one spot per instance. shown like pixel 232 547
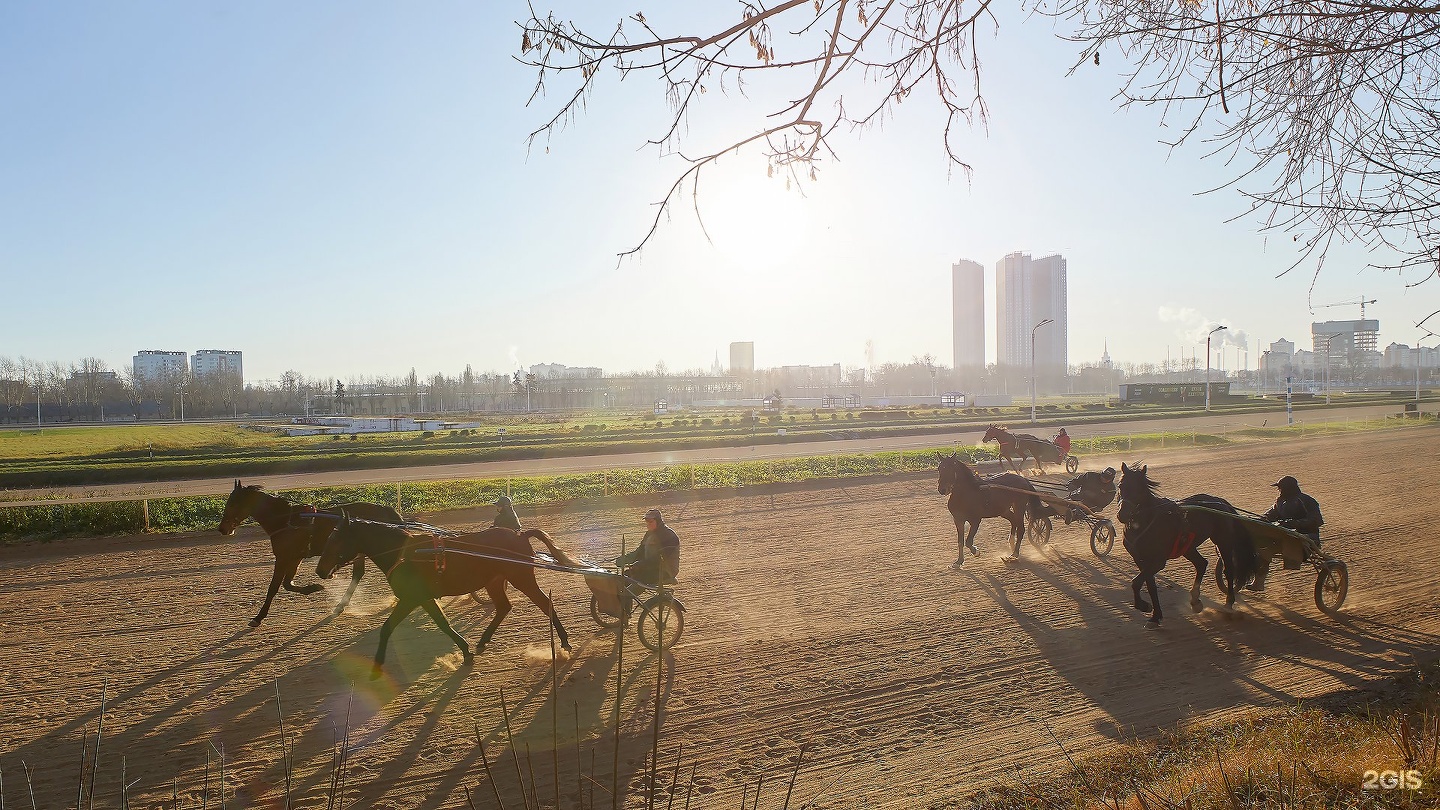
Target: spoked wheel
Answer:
pixel 661 623
pixel 601 617
pixel 1220 575
pixel 1040 528
pixel 1331 586
pixel 1102 538
pixel 1071 464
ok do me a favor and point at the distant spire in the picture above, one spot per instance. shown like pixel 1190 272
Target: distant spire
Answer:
pixel 1105 358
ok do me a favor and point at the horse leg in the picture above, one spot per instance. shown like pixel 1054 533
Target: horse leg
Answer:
pixel 356 572
pixel 289 585
pixel 1200 563
pixel 284 570
pixel 438 616
pixel 532 589
pixel 1017 533
pixel 496 589
pixel 959 542
pixel 1154 597
pixel 1140 604
pixel 403 609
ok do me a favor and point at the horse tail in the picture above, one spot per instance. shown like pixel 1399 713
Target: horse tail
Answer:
pixel 1037 507
pixel 1243 554
pixel 558 553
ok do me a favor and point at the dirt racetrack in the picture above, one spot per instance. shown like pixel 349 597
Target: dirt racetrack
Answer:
pixel 828 617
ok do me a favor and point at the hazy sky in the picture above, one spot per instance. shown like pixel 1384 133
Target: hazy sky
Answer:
pixel 345 188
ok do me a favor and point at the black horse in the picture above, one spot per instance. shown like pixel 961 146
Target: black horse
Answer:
pixel 297 531
pixel 972 499
pixel 420 568
pixel 1158 530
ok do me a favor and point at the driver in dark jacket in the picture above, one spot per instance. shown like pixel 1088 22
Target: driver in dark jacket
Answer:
pixel 1293 510
pixel 505 514
pixel 1094 489
pixel 656 561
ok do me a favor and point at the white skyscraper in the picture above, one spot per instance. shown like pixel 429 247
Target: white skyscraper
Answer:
pixel 968 308
pixel 1027 291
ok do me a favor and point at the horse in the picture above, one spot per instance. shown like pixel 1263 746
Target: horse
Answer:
pixel 1026 445
pixel 421 568
pixel 970 501
pixel 296 531
pixel 1158 530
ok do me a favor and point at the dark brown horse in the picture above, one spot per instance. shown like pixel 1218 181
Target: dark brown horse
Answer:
pixel 972 498
pixel 1024 445
pixel 1158 530
pixel 420 568
pixel 297 531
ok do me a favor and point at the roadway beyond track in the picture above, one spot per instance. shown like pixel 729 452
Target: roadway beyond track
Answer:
pixel 1212 423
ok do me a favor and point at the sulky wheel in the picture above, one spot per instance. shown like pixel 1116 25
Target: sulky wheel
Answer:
pixel 1102 538
pixel 1331 586
pixel 661 623
pixel 1071 464
pixel 1040 528
pixel 1220 575
pixel 601 617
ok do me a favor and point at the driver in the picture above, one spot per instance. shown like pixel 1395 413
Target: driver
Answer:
pixel 1293 510
pixel 656 561
pixel 1094 489
pixel 505 516
pixel 1062 441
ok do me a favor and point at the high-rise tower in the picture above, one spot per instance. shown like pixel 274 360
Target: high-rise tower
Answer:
pixel 1027 291
pixel 968 294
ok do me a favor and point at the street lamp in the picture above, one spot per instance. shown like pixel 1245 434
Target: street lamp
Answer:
pixel 1328 338
pixel 1207 364
pixel 1032 366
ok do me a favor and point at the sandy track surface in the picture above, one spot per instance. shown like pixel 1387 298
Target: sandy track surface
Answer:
pixel 829 617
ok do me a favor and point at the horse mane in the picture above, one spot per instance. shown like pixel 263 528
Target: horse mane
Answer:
pixel 961 466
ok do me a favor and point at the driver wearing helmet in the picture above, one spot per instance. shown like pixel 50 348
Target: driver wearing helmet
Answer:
pixel 505 516
pixel 656 561
pixel 1094 489
pixel 1293 510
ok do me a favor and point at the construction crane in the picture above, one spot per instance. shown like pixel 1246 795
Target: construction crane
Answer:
pixel 1361 301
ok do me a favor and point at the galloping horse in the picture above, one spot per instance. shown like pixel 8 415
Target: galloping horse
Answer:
pixel 296 532
pixel 1158 530
pixel 1024 445
pixel 421 568
pixel 970 501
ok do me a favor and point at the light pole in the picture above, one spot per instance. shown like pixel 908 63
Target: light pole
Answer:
pixel 1328 338
pixel 1207 364
pixel 1032 366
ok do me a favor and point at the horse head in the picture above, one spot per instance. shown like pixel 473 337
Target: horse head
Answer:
pixel 1136 490
pixel 239 506
pixel 948 471
pixel 993 433
pixel 341 547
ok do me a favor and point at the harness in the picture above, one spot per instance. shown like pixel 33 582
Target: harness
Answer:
pixel 1183 541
